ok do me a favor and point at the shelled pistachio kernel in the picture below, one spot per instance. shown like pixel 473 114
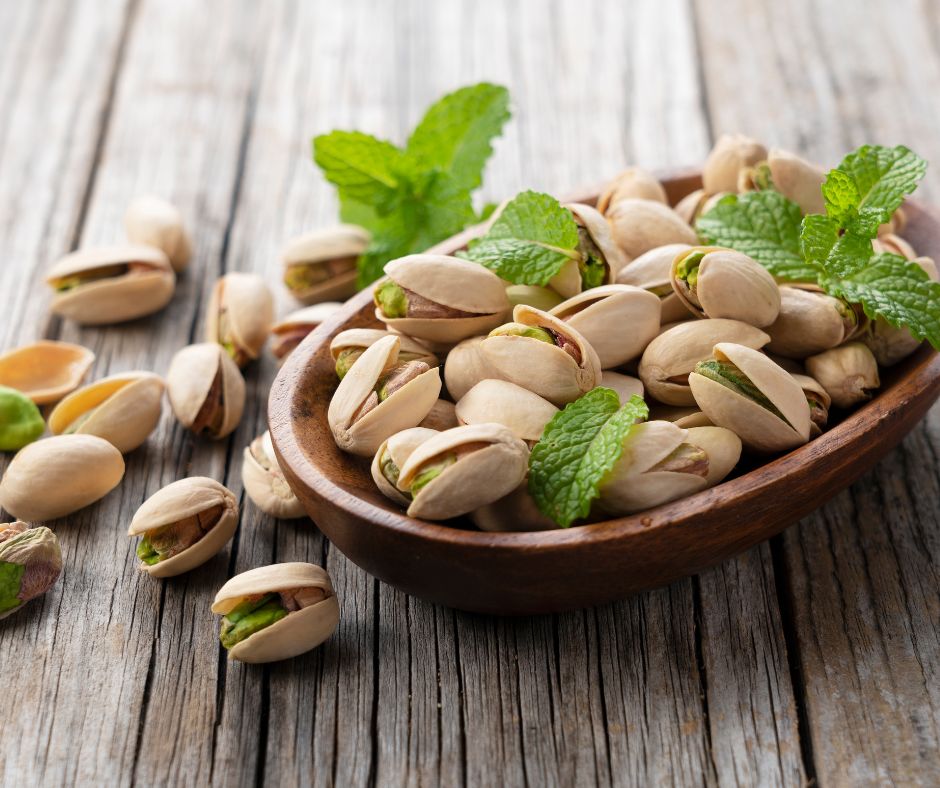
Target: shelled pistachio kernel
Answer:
pixel 20 420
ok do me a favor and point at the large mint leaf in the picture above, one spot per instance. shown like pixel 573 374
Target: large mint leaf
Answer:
pixel 830 249
pixel 363 168
pixel 10 578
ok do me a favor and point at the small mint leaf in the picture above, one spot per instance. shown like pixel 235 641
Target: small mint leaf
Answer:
pixel 363 168
pixel 836 252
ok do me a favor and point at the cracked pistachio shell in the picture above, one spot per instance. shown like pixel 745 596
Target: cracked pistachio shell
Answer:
pixel 60 475
pixel 809 322
pixel 192 380
pixel 181 500
pixel 696 203
pixel 290 331
pixel 37 551
pixel 732 154
pixel 45 371
pixel 514 513
pixel 668 359
pixel 848 373
pixel 123 409
pixel 634 183
pixel 265 483
pixel 155 222
pixel 478 477
pixel 398 448
pixel 331 255
pixel 758 427
pixel 442 416
pixel 465 366
pixel 729 284
pixel 543 298
pixel 618 321
pixel 362 338
pixel 239 316
pixel 797 179
pixel 542 367
pixel 624 385
pixel 145 288
pixel 502 402
pixel 640 225
pixel 450 282
pixel 299 631
pixel 652 271
pixel 813 388
pixel 405 408
pixel 20 420
pixel 722 446
pixel 567 282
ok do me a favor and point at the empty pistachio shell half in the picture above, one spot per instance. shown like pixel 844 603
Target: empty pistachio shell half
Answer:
pixel 30 563
pixel 391 456
pixel 441 299
pixel 696 203
pixel 797 179
pixel 20 420
pixel 741 389
pixel 819 401
pixel 625 385
pixel 465 366
pixel 502 402
pixel 543 298
pixel 347 346
pixel 717 282
pixel 265 483
pixel 276 612
pixel 111 284
pixel 652 271
pixel 668 359
pixel 155 222
pixel 731 154
pixel 206 390
pixel 599 259
pixel 515 512
pixel 442 416
pixel 809 322
pixel 183 525
pixel 239 316
pixel 379 397
pixel 635 183
pixel 848 373
pixel 123 409
pixel 45 371
pixel 459 470
pixel 640 225
pixel 57 476
pixel 321 266
pixel 292 330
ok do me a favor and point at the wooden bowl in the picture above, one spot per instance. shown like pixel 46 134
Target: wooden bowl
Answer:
pixel 521 573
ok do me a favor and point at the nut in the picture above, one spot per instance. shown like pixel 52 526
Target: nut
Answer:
pixel 635 183
pixel 640 225
pixel 30 563
pixel 797 179
pixel 20 420
pixel 155 222
pixel 505 403
pixel 625 385
pixel 265 483
pixel 809 322
pixel 652 271
pixel 696 203
pixel 293 329
pixel 206 390
pixel 391 456
pixel 543 298
pixel 818 400
pixel 465 366
pixel 732 154
pixel 442 416
pixel 848 373
pixel 347 346
pixel 599 259
pixel 239 316
pixel 321 266
pixel 45 371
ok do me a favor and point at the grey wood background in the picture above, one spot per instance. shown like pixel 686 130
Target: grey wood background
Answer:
pixel 813 658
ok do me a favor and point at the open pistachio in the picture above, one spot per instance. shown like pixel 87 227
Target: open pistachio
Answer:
pixel 514 512
pixel 45 371
pixel 599 258
pixel 391 456
pixel 206 390
pixel 819 401
pixel 695 203
pixel 123 409
pixel 293 329
pixel 30 563
pixel 57 476
pixel 617 320
pixel 442 416
pixel 276 612
pixel 502 402
pixel 731 154
pixel 155 222
pixel 183 525
pixel 543 298
pixel 848 373
pixel 640 225
pixel 722 446
pixel 465 366
pixel 239 316
pixel 633 182
pixel 111 284
pixel 668 359
pixel 20 420
pixel 441 299
pixel 265 483
pixel 652 271
pixel 743 390
pixel 625 385
pixel 380 396
pixel 798 180
pixel 321 266
pixel 543 354
pixel 459 470
pixel 809 322
pixel 347 346
pixel 717 282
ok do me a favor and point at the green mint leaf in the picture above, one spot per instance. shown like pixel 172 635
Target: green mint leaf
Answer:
pixel 579 447
pixel 836 252
pixel 455 134
pixel 10 577
pixel 363 168
pixel 530 240
pixel 764 225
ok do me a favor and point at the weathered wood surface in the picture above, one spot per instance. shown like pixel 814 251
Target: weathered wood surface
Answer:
pixel 814 657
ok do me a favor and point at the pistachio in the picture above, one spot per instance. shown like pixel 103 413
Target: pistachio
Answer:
pixel 45 371
pixel 442 416
pixel 640 225
pixel 809 322
pixel 695 203
pixel 123 409
pixel 722 446
pixel 717 282
pixel 797 179
pixel 321 266
pixel 276 612
pixel 502 402
pixel 543 298
pixel 347 346
pixel 391 456
pixel 379 397
pixel 599 259
pixel 732 154
pixel 111 284
pixel 741 389
pixel 818 400
pixel 891 243
pixel 668 359
pixel 155 222
pixel 514 512
pixel 600 315
pixel 265 483
pixel 684 417
pixel 625 385
pixel 20 420
pixel 465 366
pixel 239 316
pixel 848 373
pixel 441 299
pixel 634 183
pixel 652 271
pixel 293 329
pixel 543 354
pixel 30 563
pixel 459 470
pixel 57 476
pixel 206 390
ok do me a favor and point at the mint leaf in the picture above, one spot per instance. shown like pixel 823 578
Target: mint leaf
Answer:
pixel 530 240
pixel 455 134
pixel 10 577
pixel 362 167
pixel 832 250
pixel 579 447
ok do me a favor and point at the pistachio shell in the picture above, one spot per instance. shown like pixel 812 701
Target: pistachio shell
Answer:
pixel 731 154
pixel 45 371
pixel 625 385
pixel 37 551
pixel 465 366
pixel 361 338
pixel 813 388
pixel 668 359
pixel 502 402
pixel 399 448
pixel 849 373
pixel 598 230
pixel 334 248
pixel 797 179
pixel 567 282
pixel 123 409
pixel 289 332
pixel 640 225
pixel 721 445
pixel 696 203
pixel 191 380
pixel 515 512
pixel 155 222
pixel 809 322
pixel 113 299
pixel 442 416
pixel 892 243
pixel 635 183
pixel 543 298
pixel 57 476
pixel 652 271
pixel 265 483
pixel 239 315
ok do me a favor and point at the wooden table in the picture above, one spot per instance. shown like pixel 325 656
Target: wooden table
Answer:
pixel 812 658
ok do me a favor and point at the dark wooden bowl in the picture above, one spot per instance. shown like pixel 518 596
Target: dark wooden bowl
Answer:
pixel 520 573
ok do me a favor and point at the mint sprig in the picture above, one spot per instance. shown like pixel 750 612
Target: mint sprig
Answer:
pixel 578 448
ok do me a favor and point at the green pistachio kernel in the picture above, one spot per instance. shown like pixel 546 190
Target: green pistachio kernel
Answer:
pixel 593 272
pixel 727 374
pixel 346 359
pixel 431 471
pixel 391 299
pixel 147 553
pixel 11 576
pixel 761 178
pixel 249 617
pixel 520 330
pixel 76 280
pixel 304 276
pixel 687 270
pixel 389 469
pixel 76 425
pixel 20 420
